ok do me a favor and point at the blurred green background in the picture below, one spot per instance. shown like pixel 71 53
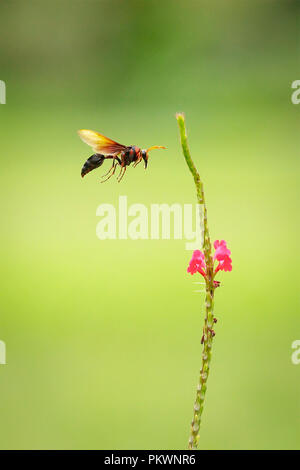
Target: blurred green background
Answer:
pixel 103 337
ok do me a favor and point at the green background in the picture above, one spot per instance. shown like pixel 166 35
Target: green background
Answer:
pixel 103 337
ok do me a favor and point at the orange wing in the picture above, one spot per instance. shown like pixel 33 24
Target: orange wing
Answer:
pixel 100 143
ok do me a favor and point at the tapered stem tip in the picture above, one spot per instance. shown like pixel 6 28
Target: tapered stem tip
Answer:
pixel 180 116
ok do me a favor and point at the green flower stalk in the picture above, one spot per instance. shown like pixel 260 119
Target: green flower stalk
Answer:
pixel 204 264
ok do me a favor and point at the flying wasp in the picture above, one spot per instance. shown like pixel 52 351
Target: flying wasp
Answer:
pixel 105 148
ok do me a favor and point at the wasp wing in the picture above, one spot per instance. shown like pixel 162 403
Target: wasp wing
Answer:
pixel 100 143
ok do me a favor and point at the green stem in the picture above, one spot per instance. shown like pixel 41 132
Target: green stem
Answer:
pixel 208 334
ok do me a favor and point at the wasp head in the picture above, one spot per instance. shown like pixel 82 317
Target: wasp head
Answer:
pixel 145 157
pixel 145 153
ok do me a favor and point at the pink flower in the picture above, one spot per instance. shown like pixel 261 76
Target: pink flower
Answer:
pixel 222 255
pixel 225 264
pixel 197 263
pixel 221 250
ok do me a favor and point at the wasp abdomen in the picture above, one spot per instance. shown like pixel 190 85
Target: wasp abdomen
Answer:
pixel 93 162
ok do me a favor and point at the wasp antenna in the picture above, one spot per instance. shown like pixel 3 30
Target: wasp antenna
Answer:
pixel 155 147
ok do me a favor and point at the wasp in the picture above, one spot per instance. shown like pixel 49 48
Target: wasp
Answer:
pixel 105 148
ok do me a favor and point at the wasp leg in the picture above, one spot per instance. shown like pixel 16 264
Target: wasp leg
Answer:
pixel 112 174
pixel 137 162
pixel 122 174
pixel 112 167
